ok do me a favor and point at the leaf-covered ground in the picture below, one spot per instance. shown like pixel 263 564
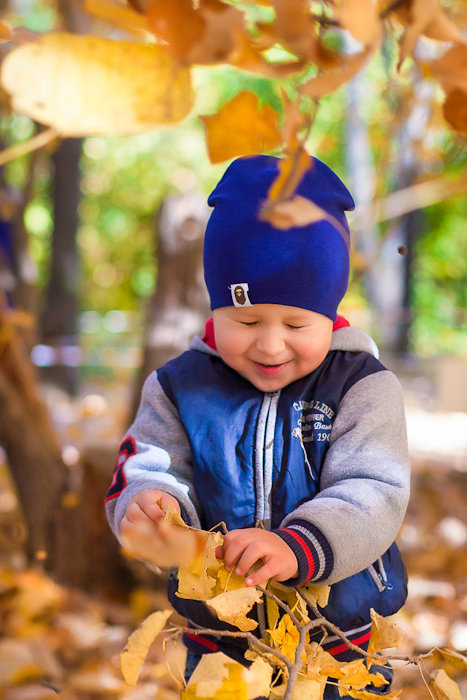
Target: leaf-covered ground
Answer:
pixel 57 642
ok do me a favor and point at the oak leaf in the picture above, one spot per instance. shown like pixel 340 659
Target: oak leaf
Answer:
pixel 241 127
pixel 233 606
pixel 87 85
pixel 136 650
pixel 384 634
pixel 443 687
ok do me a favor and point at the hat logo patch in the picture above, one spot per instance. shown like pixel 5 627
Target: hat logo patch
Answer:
pixel 240 294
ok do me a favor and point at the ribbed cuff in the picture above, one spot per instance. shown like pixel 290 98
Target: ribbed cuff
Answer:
pixel 313 551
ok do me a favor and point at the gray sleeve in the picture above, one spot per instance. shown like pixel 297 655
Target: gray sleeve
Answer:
pixel 162 460
pixel 365 480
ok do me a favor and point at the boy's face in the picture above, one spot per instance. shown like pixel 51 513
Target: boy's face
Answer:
pixel 271 345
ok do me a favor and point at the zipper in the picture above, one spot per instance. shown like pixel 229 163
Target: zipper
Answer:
pixel 379 576
pixel 264 457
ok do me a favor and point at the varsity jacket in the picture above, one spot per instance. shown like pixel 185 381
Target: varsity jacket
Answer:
pixel 323 463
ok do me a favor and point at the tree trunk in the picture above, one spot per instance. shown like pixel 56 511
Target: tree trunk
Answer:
pixel 59 324
pixel 180 303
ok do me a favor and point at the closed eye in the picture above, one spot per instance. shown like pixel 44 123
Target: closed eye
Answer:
pixel 249 323
pixel 294 328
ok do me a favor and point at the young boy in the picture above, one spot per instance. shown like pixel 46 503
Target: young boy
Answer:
pixel 281 422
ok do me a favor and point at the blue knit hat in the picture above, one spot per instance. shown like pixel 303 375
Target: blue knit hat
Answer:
pixel 247 261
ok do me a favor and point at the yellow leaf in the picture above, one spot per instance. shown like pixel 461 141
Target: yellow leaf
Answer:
pixel 87 85
pixel 198 581
pixel 217 676
pixel 233 606
pixel 291 170
pixel 285 638
pixel 356 676
pixel 443 687
pixel 172 544
pixel 320 663
pixel 304 690
pixel 384 634
pixel 455 659
pixel 241 127
pixel 319 594
pixel 208 676
pixel 136 650
pixel 228 581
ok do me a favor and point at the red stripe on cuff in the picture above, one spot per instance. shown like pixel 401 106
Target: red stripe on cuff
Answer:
pixel 306 549
pixel 343 647
pixel 203 641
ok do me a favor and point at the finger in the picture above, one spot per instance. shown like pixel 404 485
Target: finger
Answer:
pixel 219 551
pixel 233 550
pixel 150 507
pixel 166 500
pixel 262 575
pixel 251 554
pixel 135 514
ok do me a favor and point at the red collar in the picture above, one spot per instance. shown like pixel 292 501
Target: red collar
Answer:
pixel 209 339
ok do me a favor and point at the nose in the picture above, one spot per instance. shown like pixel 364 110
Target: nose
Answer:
pixel 270 343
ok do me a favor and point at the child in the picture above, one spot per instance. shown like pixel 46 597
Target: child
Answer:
pixel 281 422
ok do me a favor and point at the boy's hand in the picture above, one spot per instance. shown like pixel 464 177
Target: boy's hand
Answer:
pixel 147 508
pixel 245 547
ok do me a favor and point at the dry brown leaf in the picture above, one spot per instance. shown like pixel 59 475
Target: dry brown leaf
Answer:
pixel 443 687
pixel 136 650
pixel 118 14
pixel 384 634
pixel 85 85
pixel 451 69
pixel 455 110
pixel 241 127
pixel 205 34
pixel 298 211
pixel 329 81
pixel 361 19
pixel 294 29
pixel 233 606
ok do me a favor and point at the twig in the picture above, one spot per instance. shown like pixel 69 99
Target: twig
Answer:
pixel 420 668
pixel 32 144
pixel 243 635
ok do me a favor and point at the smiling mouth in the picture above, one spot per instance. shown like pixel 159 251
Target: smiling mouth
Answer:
pixel 270 369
